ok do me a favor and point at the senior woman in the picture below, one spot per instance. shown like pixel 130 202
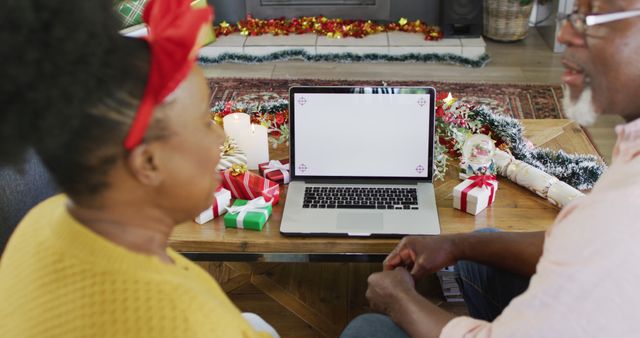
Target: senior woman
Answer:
pixel 123 126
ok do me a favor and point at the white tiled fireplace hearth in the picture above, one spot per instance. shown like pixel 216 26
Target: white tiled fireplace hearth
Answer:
pixel 393 43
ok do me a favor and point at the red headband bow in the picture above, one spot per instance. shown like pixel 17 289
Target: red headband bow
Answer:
pixel 174 28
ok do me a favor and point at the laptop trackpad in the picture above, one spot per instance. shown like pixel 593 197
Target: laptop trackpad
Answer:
pixel 360 222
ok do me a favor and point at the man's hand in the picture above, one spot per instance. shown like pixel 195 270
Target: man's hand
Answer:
pixel 393 293
pixel 387 288
pixel 422 254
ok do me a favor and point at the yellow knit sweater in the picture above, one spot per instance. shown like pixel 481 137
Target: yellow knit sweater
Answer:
pixel 59 279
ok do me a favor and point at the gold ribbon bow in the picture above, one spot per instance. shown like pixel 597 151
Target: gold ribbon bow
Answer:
pixel 238 169
pixel 229 147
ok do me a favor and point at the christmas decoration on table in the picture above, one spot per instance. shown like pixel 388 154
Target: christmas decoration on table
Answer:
pixel 579 171
pixel 530 177
pixel 130 12
pixel 250 215
pixel 277 171
pixel 536 180
pixel 246 185
pixel 230 154
pixel 453 127
pixel 303 55
pixel 561 194
pixel 222 199
pixel 274 115
pixel 475 194
pixel 502 159
pixel 252 138
pixel 333 28
pixel 477 156
pixel 456 121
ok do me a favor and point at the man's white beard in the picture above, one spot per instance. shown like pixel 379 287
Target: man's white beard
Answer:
pixel 581 111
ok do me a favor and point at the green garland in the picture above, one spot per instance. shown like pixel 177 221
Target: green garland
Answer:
pixel 579 171
pixel 300 54
pixel 269 107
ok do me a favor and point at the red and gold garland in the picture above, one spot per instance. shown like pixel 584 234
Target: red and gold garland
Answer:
pixel 332 28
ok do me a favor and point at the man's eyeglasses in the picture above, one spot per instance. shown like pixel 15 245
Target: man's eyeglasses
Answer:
pixel 581 22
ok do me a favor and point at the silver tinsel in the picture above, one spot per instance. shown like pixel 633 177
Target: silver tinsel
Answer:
pixel 579 171
pixel 300 54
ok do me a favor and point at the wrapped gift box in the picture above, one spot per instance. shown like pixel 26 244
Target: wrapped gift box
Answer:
pixel 226 161
pixel 251 215
pixel 230 154
pixel 247 185
pixel 475 194
pixel 277 171
pixel 222 199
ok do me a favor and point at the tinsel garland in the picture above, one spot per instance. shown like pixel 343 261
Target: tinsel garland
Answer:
pixel 269 107
pixel 333 28
pixel 300 54
pixel 579 171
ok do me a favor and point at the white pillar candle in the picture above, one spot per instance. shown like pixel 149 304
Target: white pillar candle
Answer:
pixel 250 138
pixel 257 147
pixel 236 124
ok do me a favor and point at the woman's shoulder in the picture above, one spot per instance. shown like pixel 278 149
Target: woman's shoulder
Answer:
pixel 43 211
pixel 32 230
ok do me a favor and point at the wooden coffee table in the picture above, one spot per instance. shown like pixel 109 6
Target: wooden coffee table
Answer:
pixel 515 209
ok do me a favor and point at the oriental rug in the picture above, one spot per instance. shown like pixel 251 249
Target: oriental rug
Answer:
pixel 522 101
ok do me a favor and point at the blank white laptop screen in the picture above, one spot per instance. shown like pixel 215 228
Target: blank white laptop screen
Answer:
pixel 362 134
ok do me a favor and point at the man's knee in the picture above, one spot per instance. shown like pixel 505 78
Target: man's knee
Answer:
pixel 468 270
pixel 372 325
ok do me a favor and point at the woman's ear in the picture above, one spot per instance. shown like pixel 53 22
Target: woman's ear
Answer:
pixel 142 162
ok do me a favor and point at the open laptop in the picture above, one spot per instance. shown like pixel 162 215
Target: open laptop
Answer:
pixel 361 162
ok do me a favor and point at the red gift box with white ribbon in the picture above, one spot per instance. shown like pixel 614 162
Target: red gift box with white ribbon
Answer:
pixel 248 186
pixel 277 171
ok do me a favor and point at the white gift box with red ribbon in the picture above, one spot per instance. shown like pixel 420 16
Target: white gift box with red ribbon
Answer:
pixel 220 203
pixel 475 194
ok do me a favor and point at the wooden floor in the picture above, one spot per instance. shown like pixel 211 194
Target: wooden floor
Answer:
pixel 315 300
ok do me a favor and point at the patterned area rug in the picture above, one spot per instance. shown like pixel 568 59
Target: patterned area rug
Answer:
pixel 522 101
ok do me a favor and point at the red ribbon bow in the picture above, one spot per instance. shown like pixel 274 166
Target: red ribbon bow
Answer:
pixel 478 181
pixel 174 28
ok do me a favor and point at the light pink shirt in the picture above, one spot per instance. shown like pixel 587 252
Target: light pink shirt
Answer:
pixel 587 283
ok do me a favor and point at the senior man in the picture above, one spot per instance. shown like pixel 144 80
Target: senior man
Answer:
pixel 579 279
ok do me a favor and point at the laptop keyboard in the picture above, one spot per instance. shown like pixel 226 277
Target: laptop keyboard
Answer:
pixel 360 198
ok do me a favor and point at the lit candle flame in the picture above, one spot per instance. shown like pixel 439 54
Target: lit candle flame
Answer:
pixel 253 128
pixel 449 100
